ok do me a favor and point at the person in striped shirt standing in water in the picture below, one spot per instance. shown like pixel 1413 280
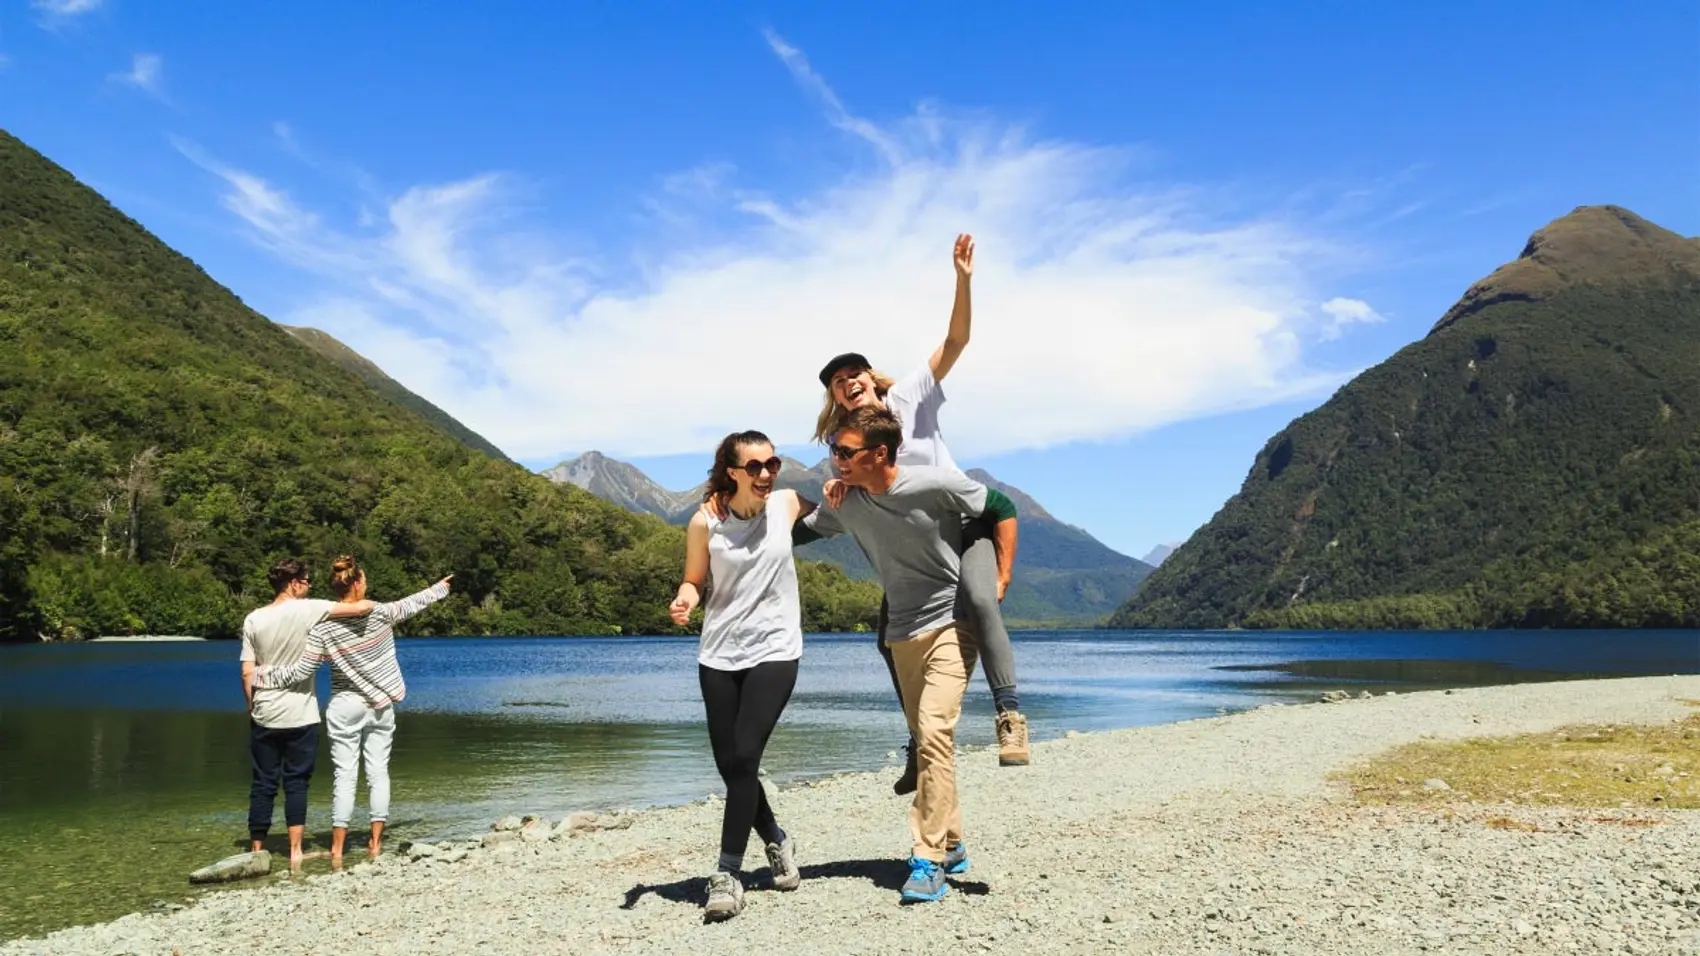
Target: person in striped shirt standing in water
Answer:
pixel 366 684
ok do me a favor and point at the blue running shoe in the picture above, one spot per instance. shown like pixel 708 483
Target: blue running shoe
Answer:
pixel 926 881
pixel 956 860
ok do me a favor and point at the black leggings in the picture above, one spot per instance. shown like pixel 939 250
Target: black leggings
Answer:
pixel 743 707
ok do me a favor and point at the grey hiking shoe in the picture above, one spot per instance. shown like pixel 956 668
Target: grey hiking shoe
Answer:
pixel 956 859
pixel 906 783
pixel 725 897
pixel 926 881
pixel 782 860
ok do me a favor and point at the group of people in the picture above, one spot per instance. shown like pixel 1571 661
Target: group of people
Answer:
pixel 941 543
pixel 283 645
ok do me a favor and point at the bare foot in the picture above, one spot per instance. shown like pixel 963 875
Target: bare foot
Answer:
pixel 336 861
pixel 373 851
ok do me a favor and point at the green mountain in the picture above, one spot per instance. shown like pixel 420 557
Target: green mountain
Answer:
pixel 161 444
pixel 1533 461
pixel 1062 574
pixel 362 368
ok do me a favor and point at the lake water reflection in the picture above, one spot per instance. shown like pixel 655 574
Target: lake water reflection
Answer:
pixel 132 757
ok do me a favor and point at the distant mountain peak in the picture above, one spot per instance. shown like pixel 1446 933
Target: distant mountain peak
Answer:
pixel 1603 245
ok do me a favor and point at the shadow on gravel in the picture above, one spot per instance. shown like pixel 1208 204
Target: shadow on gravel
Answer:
pixel 885 874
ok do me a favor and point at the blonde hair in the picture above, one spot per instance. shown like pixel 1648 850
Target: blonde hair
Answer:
pixel 345 574
pixel 832 414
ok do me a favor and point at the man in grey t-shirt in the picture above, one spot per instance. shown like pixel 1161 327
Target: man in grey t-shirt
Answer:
pixel 908 521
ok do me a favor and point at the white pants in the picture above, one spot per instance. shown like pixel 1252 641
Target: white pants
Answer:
pixel 356 728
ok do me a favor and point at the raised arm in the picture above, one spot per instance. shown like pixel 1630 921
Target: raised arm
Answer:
pixel 405 608
pixel 961 312
pixel 696 570
pixel 353 609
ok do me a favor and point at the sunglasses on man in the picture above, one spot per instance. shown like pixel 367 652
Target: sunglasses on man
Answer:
pixel 755 468
pixel 845 452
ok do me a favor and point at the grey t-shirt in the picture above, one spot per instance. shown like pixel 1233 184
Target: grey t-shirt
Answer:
pixel 912 536
pixel 277 634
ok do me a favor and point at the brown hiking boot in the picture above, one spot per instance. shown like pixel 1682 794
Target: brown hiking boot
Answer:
pixel 1012 739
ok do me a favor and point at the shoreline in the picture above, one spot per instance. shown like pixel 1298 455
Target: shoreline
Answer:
pixel 1215 834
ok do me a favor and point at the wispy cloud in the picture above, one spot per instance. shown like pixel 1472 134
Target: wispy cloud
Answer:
pixel 1344 312
pixel 55 12
pixel 146 73
pixel 1101 308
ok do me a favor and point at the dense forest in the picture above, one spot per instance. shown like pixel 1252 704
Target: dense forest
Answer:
pixel 1534 461
pixel 161 444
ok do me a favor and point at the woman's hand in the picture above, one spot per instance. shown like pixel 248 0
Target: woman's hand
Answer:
pixel 446 579
pixel 834 491
pixel 964 256
pixel 684 604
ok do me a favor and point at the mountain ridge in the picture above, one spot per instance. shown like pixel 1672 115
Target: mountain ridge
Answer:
pixel 161 444
pixel 1523 464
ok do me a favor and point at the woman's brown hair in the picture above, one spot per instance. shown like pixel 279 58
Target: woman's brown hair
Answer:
pixel 345 574
pixel 720 484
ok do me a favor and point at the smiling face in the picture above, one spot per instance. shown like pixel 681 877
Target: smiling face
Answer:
pixel 857 464
pixel 853 388
pixel 756 470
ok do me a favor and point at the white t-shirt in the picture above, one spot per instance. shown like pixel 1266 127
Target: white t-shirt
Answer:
pixel 753 613
pixel 277 635
pixel 915 400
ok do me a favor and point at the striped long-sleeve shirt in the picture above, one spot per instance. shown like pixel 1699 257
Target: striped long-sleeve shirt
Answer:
pixel 361 651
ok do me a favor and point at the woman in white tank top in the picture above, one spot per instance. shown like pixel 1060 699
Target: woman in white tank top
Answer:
pixel 739 550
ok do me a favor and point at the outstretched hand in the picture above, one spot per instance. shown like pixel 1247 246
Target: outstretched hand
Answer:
pixel 446 579
pixel 964 254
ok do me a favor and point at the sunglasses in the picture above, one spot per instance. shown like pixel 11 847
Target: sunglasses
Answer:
pixel 845 453
pixel 755 468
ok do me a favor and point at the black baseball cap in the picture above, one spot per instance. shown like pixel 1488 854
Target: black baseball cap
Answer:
pixel 842 361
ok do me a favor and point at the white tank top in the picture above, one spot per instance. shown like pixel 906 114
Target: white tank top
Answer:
pixel 752 614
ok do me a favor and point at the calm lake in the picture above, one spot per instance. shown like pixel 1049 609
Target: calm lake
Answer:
pixel 124 765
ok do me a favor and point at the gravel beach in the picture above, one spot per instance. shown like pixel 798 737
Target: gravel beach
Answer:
pixel 1216 836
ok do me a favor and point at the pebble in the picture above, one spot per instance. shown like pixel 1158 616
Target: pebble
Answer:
pixel 1197 839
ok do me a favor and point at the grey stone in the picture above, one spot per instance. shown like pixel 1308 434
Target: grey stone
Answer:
pixel 508 823
pixel 238 867
pixel 1435 783
pixel 500 837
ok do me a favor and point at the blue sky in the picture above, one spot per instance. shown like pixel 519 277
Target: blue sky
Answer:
pixel 635 227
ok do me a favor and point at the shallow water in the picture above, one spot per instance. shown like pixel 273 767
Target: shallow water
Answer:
pixel 124 766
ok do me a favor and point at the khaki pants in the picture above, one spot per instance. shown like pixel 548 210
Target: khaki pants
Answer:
pixel 933 671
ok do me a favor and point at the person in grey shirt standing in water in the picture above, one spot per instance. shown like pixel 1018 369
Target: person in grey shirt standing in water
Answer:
pixel 909 521
pixel 283 722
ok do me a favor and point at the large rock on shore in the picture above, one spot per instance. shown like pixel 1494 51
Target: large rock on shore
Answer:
pixel 239 867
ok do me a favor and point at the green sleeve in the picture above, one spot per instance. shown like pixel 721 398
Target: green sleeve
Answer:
pixel 998 506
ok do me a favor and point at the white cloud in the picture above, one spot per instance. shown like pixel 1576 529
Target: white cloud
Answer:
pixel 64 9
pixel 1100 309
pixel 147 73
pixel 1344 312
